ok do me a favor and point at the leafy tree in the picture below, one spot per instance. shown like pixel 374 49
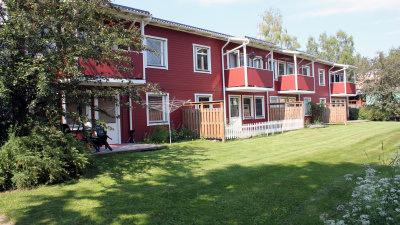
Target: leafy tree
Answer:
pixel 338 48
pixel 41 42
pixel 381 81
pixel 272 30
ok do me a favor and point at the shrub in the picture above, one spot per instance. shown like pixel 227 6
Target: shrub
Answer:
pixel 317 111
pixel 158 135
pixel 353 113
pixel 374 113
pixel 180 134
pixel 45 156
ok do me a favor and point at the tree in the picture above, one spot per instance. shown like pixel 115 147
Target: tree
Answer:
pixel 338 48
pixel 381 81
pixel 272 30
pixel 41 42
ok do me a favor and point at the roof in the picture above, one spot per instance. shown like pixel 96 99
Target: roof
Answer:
pixel 131 9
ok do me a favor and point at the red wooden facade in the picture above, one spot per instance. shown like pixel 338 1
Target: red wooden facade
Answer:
pixel 252 87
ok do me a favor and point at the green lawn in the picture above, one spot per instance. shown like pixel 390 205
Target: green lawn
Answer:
pixel 286 178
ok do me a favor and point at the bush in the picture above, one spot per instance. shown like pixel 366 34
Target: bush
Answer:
pixel 317 111
pixel 353 113
pixel 180 134
pixel 45 156
pixel 158 135
pixel 374 113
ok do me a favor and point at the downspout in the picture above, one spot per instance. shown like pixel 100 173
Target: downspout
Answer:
pixel 246 82
pixel 223 83
pixel 329 79
pixel 295 73
pixel 313 73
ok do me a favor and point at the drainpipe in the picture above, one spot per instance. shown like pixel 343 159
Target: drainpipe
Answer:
pixel 329 79
pixel 246 82
pixel 223 82
pixel 313 73
pixel 295 73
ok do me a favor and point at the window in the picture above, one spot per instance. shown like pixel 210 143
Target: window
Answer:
pixel 321 74
pixel 322 100
pixel 306 71
pixel 249 61
pixel 274 99
pixel 233 60
pixel 259 102
pixel 157 109
pixel 203 98
pixel 159 58
pixel 258 63
pixel 338 100
pixel 337 77
pixel 275 69
pixel 247 107
pixel 307 106
pixel 270 64
pixel 234 106
pixel 202 59
pixel 290 68
pixel 282 68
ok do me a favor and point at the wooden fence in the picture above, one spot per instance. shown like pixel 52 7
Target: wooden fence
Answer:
pixel 253 129
pixel 335 113
pixel 205 122
pixel 286 111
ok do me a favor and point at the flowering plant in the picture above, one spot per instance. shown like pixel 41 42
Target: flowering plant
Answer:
pixel 264 59
pixel 251 55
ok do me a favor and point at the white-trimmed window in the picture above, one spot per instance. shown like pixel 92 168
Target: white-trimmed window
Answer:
pixel 233 59
pixel 258 63
pixel 307 106
pixel 259 107
pixel 274 99
pixel 322 100
pixel 157 109
pixel 290 68
pixel 203 98
pixel 249 61
pixel 202 59
pixel 158 58
pixel 282 68
pixel 248 107
pixel 321 75
pixel 306 71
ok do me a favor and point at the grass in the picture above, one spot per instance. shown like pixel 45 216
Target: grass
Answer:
pixel 288 178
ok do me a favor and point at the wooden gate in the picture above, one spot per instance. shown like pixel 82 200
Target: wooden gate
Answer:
pixel 335 113
pixel 286 111
pixel 205 122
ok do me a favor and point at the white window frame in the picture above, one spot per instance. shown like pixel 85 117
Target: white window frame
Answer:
pixel 319 77
pixel 287 70
pixel 196 70
pixel 165 99
pixel 239 108
pixel 322 99
pixel 164 54
pixel 307 107
pixel 197 96
pixel 237 59
pixel 260 63
pixel 284 68
pixel 249 61
pixel 308 71
pixel 262 107
pixel 250 107
pixel 275 69
pixel 271 101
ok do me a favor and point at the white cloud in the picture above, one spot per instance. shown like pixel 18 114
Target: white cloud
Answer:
pixel 386 21
pixel 329 8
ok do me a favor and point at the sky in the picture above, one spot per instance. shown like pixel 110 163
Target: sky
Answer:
pixel 374 24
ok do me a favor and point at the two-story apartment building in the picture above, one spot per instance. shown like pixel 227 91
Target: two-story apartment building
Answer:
pixel 201 65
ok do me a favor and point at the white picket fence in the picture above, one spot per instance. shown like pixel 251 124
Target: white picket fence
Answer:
pixel 253 129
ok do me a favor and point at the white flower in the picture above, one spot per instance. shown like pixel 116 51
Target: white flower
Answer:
pixel 340 207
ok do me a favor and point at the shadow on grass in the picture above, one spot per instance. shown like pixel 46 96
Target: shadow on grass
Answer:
pixel 170 187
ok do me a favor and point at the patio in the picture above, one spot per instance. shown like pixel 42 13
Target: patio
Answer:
pixel 129 147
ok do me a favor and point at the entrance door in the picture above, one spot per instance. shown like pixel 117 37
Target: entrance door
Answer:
pixel 111 108
pixel 235 117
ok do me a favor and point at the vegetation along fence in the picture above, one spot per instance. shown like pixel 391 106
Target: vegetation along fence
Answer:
pixel 286 111
pixel 253 129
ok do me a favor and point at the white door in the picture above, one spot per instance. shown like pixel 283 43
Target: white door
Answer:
pixel 235 115
pixel 112 121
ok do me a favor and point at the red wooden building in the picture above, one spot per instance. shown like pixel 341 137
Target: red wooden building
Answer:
pixel 201 65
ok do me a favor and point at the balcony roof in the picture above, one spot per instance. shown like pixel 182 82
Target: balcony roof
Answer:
pixel 249 89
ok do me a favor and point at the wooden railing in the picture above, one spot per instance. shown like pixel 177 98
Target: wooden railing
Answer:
pixel 206 122
pixel 286 111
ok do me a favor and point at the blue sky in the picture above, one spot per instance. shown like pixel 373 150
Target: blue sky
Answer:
pixel 374 24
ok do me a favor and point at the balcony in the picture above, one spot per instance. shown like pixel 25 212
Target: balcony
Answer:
pixel 111 76
pixel 343 89
pixel 258 80
pixel 287 84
